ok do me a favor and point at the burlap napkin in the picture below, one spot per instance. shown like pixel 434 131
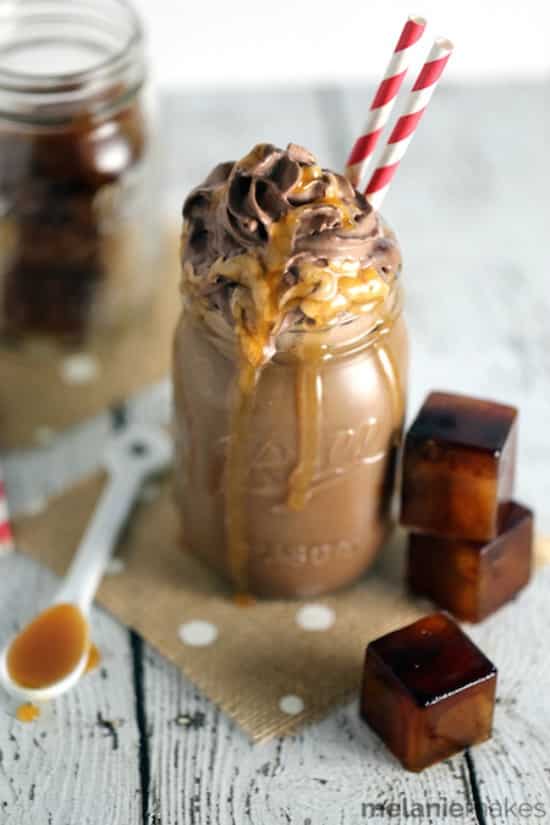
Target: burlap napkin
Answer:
pixel 263 666
pixel 44 388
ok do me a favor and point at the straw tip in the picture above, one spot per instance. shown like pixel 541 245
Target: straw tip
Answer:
pixel 418 20
pixel 444 43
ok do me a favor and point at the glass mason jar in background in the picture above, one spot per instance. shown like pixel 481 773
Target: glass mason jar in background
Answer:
pixel 356 413
pixel 79 232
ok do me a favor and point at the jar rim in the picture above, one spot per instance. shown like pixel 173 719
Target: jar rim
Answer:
pixel 49 96
pixel 366 329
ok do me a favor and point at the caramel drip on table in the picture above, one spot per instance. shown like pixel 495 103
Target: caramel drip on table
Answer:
pixel 27 712
pixel 308 402
pixel 94 658
pixel 244 600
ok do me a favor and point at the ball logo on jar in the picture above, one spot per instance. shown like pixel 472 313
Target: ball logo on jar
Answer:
pixel 344 452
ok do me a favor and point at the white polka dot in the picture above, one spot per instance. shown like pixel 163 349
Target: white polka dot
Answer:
pixel 115 566
pixel 198 633
pixel 35 506
pixel 315 617
pixel 79 369
pixel 44 436
pixel 291 705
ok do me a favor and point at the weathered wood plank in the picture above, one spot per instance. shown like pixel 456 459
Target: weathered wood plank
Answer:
pixel 206 771
pixel 515 765
pixel 66 768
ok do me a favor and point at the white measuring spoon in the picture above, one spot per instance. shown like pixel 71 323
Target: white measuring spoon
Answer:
pixel 128 459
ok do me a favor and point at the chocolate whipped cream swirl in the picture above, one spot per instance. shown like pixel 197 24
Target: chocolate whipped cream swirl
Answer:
pixel 277 210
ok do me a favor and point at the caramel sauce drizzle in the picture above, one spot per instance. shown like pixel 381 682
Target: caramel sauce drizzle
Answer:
pixel 308 405
pixel 47 650
pixel 236 473
pixel 322 294
pixel 27 712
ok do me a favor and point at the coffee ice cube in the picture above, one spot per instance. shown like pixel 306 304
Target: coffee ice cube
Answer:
pixel 428 691
pixel 473 579
pixel 459 467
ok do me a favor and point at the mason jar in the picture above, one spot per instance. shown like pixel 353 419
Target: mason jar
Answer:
pixel 78 209
pixel 306 471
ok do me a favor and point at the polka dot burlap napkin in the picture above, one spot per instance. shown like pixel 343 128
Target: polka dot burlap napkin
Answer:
pixel 270 666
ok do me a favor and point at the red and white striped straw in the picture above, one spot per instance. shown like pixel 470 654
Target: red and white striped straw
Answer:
pixel 6 537
pixel 407 123
pixel 384 99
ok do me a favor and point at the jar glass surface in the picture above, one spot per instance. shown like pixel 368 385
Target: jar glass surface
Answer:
pixel 78 213
pixel 357 414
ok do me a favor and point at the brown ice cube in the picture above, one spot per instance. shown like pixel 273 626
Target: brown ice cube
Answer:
pixel 428 691
pixel 473 579
pixel 459 467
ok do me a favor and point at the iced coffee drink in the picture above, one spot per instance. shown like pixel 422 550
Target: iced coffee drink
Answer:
pixel 290 370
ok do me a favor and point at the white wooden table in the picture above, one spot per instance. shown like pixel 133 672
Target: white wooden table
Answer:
pixel 471 208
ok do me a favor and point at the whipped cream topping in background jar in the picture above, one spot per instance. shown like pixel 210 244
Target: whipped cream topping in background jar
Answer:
pixel 290 372
pixel 79 229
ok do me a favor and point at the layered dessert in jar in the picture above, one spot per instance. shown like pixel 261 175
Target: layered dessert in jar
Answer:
pixel 290 372
pixel 79 227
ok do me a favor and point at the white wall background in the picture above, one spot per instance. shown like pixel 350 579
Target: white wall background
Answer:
pixel 215 43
